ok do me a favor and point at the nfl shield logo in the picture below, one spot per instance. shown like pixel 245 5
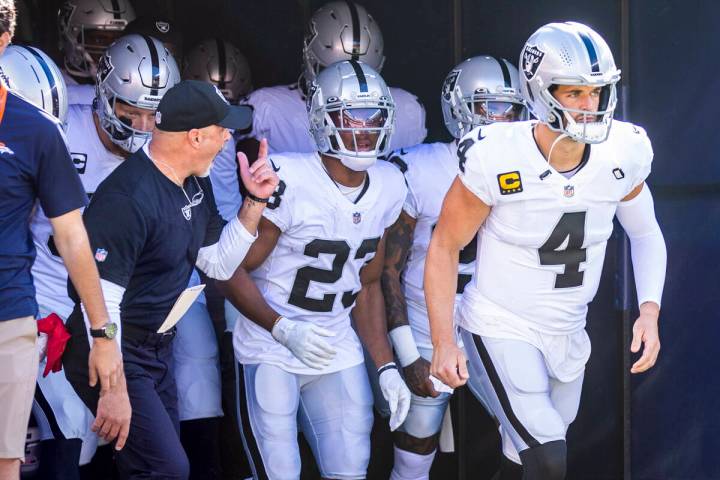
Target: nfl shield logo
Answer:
pixel 569 191
pixel 100 254
pixel 531 58
pixel 357 217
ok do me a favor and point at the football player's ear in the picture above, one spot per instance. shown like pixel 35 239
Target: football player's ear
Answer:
pixel 194 137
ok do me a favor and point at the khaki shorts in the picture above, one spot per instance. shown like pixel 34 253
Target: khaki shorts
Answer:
pixel 18 372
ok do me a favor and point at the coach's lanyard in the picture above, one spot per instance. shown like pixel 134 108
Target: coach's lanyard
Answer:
pixel 3 100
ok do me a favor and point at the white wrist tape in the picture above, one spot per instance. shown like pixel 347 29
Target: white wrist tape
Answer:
pixel 221 259
pixel 404 344
pixel 113 294
pixel 647 245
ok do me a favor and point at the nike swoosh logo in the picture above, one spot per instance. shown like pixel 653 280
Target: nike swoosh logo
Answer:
pixel 275 168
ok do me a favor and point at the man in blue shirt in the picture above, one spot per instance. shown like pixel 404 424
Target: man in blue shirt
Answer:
pixel 35 165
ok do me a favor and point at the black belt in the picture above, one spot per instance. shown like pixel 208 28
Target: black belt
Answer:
pixel 148 337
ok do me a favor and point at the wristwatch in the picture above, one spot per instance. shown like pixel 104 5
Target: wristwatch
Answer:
pixel 109 330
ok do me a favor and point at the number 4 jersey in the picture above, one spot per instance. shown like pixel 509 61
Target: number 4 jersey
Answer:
pixel 313 274
pixel 541 249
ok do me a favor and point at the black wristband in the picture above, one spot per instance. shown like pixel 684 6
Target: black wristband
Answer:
pixel 387 366
pixel 256 199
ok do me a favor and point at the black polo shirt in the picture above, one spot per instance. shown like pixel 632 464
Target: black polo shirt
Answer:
pixel 143 240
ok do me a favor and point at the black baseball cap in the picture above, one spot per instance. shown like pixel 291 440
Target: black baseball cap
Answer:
pixel 195 104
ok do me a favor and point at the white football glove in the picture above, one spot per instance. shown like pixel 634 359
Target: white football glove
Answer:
pixel 396 393
pixel 305 341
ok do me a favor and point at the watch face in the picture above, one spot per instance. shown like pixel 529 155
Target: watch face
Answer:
pixel 111 330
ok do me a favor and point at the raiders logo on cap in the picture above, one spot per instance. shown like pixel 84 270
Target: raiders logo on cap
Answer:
pixel 163 27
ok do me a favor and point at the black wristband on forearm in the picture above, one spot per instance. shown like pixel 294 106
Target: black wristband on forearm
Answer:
pixel 256 199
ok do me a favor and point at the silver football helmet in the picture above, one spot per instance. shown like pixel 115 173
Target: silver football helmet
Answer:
pixel 137 70
pixel 569 54
pixel 222 64
pixel 87 28
pixel 33 75
pixel 351 113
pixel 341 30
pixel 479 91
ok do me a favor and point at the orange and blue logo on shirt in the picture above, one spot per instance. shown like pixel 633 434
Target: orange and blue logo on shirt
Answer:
pixel 510 182
pixel 5 149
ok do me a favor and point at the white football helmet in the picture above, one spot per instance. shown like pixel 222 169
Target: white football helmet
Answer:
pixel 479 91
pixel 349 99
pixel 222 64
pixel 137 70
pixel 30 73
pixel 569 54
pixel 341 30
pixel 87 28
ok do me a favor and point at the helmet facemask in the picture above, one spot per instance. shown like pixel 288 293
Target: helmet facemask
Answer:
pixel 591 126
pixel 119 129
pixel 357 135
pixel 483 108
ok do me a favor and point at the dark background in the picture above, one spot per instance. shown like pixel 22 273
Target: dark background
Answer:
pixel 663 424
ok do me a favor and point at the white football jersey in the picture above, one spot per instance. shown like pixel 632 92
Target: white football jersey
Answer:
pixel 541 249
pixel 429 169
pixel 313 274
pixel 93 163
pixel 280 115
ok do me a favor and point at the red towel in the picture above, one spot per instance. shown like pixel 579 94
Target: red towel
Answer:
pixel 58 336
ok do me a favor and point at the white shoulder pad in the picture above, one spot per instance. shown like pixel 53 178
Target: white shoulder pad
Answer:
pixel 282 203
pixel 477 157
pixel 634 149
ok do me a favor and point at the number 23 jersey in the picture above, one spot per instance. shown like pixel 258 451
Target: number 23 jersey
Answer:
pixel 541 249
pixel 313 273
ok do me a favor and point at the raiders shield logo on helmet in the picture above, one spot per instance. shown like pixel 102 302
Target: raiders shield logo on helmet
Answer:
pixel 104 68
pixel 531 58
pixel 449 84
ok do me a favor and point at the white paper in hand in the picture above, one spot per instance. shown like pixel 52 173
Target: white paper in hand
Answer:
pixel 439 386
pixel 182 304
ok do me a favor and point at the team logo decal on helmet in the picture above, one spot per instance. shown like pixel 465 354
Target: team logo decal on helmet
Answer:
pixel 65 13
pixel 449 84
pixel 104 68
pixel 532 56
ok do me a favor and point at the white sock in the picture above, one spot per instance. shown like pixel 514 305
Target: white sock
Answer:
pixel 411 466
